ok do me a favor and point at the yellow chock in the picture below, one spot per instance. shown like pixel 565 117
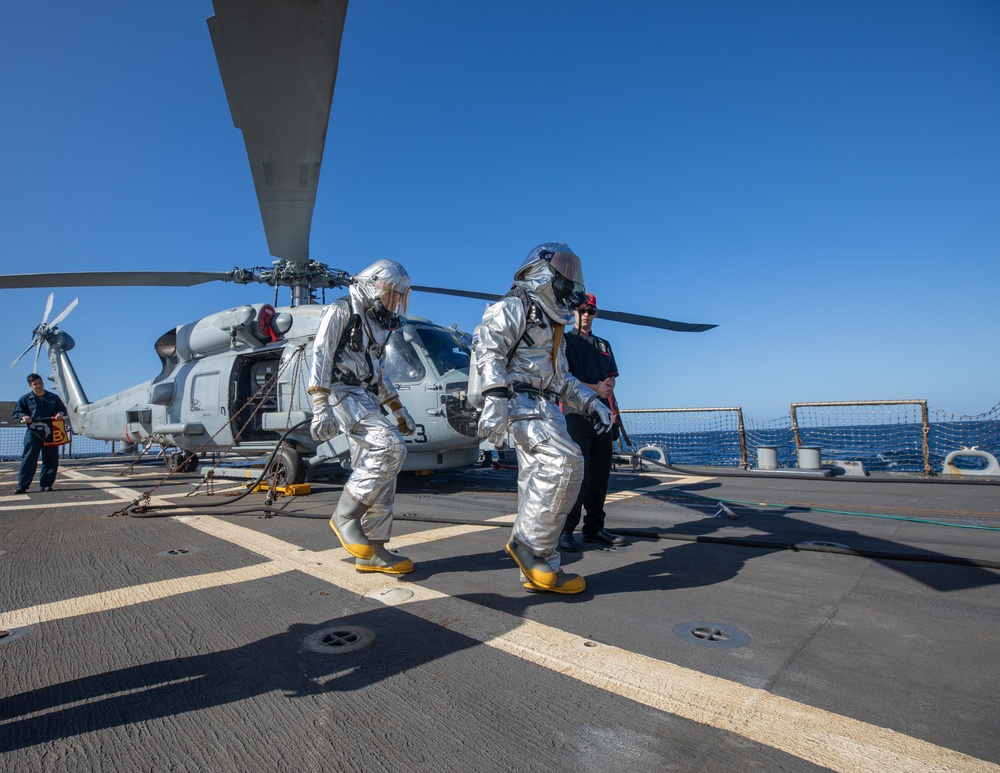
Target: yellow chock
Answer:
pixel 294 490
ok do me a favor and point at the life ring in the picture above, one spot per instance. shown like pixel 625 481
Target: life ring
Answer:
pixel 992 466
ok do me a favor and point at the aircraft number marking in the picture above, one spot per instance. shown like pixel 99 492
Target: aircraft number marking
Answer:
pixel 419 435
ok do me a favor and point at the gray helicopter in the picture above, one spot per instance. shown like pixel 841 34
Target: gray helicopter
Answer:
pixel 235 381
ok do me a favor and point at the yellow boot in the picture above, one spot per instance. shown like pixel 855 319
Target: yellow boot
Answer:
pixel 384 561
pixel 346 524
pixel 565 583
pixel 536 568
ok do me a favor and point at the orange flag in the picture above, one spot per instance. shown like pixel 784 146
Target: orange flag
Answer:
pixel 59 436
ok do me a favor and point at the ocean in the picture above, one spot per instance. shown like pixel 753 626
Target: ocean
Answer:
pixel 880 448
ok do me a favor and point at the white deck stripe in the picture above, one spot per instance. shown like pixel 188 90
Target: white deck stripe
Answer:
pixel 36 505
pixel 137 594
pixel 812 734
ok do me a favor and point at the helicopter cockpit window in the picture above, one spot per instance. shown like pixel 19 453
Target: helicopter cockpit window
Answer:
pixel 445 350
pixel 402 363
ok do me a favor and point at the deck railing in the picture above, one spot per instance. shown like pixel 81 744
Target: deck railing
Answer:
pixel 882 435
pixel 869 428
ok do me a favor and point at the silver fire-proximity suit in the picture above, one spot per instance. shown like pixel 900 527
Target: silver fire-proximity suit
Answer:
pixel 348 388
pixel 522 364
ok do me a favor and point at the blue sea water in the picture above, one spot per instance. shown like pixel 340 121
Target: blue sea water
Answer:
pixel 880 448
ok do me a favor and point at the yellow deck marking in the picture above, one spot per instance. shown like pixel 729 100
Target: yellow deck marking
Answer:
pixel 674 480
pixel 819 736
pixel 686 480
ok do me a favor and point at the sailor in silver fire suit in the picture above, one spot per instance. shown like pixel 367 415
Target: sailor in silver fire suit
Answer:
pixel 348 389
pixel 522 363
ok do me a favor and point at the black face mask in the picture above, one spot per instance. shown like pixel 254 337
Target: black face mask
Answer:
pixel 387 319
pixel 566 294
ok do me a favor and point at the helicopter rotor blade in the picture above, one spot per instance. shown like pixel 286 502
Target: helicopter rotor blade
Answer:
pixel 278 63
pixel 48 307
pixel 613 316
pixel 112 279
pixel 61 317
pixel 459 293
pixel 38 351
pixel 30 347
pixel 657 322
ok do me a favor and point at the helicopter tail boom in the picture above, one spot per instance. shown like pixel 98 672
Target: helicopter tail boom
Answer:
pixel 63 373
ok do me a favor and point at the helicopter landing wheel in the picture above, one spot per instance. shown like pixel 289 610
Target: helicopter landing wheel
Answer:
pixel 288 469
pixel 182 461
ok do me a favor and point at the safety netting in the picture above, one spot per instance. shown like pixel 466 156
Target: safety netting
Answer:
pixel 883 436
pixel 12 445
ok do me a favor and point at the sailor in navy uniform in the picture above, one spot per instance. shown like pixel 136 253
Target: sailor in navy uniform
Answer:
pixel 38 404
pixel 592 361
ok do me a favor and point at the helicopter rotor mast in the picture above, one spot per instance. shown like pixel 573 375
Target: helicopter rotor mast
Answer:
pixel 301 280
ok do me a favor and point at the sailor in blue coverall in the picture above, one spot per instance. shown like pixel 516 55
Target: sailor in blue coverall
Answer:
pixel 38 404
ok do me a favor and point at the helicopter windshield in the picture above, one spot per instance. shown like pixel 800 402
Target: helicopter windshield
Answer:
pixel 445 350
pixel 402 363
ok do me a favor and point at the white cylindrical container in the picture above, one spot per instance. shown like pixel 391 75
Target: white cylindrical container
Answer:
pixel 808 457
pixel 767 457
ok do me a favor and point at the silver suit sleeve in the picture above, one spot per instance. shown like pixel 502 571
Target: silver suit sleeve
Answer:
pixel 331 327
pixel 503 325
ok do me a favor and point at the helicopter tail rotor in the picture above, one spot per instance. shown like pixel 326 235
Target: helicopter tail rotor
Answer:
pixel 44 329
pixel 48 307
pixel 30 347
pixel 65 313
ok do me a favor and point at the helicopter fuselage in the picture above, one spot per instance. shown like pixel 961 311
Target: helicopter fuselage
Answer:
pixel 235 382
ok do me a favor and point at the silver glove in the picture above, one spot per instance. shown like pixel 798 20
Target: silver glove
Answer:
pixel 323 426
pixel 493 421
pixel 404 422
pixel 601 414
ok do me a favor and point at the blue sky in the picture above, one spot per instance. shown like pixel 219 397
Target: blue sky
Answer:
pixel 820 179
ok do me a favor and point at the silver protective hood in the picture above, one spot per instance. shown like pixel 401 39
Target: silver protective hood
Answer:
pixel 385 281
pixel 538 273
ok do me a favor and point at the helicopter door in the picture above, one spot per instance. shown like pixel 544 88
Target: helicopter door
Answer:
pixel 253 392
pixel 201 417
pixel 204 395
pixel 138 424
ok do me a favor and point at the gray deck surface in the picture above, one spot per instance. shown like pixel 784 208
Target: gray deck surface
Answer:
pixel 206 639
